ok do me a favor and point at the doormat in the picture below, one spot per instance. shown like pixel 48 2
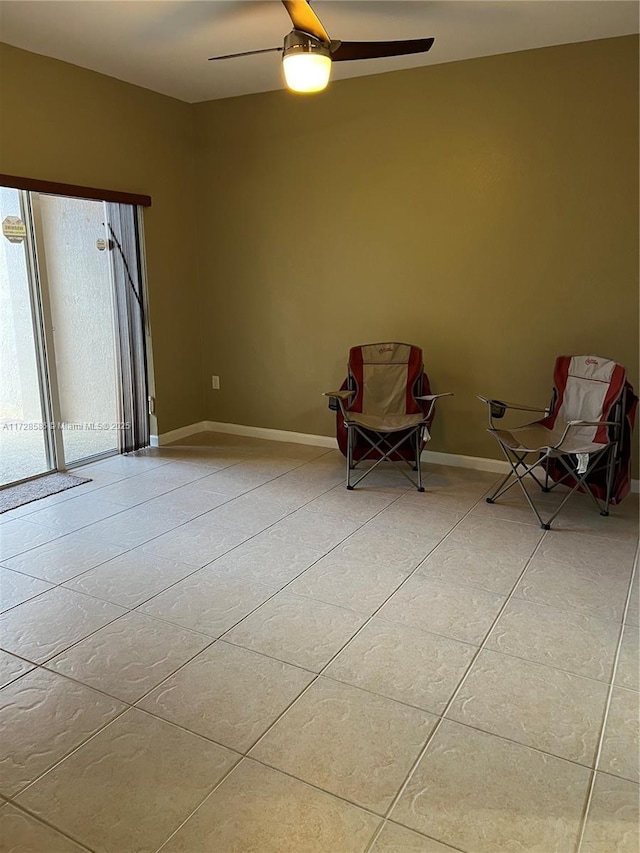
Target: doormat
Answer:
pixel 24 493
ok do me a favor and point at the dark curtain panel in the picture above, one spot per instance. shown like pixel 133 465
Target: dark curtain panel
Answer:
pixel 122 225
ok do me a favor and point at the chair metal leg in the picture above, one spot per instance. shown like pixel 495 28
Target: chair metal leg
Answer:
pixel 520 480
pixel 497 491
pixel 349 457
pixel 504 485
pixel 611 470
pixel 418 459
pixel 379 447
pixel 579 481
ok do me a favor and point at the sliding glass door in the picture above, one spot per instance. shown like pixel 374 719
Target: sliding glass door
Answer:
pixel 72 333
pixel 75 275
pixel 25 434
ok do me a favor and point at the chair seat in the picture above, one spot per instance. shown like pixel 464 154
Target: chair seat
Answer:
pixel 384 423
pixel 534 438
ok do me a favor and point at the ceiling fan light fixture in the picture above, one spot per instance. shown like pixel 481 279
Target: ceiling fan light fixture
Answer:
pixel 308 51
pixel 306 62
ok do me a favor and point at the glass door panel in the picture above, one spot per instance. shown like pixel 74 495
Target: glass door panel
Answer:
pixel 73 249
pixel 25 443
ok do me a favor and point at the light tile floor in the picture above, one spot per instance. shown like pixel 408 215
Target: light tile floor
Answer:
pixel 215 648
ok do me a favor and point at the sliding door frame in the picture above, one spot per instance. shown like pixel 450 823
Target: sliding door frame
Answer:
pixel 41 309
pixel 49 338
pixel 39 341
pixel 151 382
pixel 47 329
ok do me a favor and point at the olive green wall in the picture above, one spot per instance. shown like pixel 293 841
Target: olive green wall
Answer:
pixel 486 210
pixel 63 123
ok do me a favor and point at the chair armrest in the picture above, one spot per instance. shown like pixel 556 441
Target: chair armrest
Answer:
pixel 431 398
pixel 341 395
pixel 497 409
pixel 434 396
pixel 517 406
pixel 338 400
pixel 571 424
pixel 591 423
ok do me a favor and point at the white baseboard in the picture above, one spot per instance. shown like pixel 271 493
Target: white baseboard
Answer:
pixel 177 434
pixel 274 434
pixel 247 431
pixel 457 460
pixel 435 457
pixel 481 463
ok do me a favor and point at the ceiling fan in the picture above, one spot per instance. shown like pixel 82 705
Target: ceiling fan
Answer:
pixel 308 51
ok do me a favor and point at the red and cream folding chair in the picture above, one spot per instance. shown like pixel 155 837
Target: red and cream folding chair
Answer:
pixel 384 408
pixel 584 440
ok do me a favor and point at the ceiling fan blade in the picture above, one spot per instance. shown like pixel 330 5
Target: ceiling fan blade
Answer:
pixel 248 53
pixel 305 19
pixel 349 50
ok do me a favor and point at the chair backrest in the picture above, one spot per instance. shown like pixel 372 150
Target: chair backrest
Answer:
pixel 586 387
pixel 385 377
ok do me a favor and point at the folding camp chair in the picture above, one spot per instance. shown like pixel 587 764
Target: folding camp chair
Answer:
pixel 583 441
pixel 384 408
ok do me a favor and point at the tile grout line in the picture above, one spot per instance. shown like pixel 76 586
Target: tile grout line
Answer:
pixel 34 816
pixel 605 716
pixel 135 547
pixel 14 797
pixel 190 574
pixel 328 792
pixel 315 676
pixel 193 518
pixel 452 698
pixel 444 844
pixel 292 511
pixel 175 488
pixel 280 589
pixel 314 680
pixel 303 692
pixel 320 673
pixel 135 609
pixel 221 638
pixel 245 755
pixel 125 508
pixel 199 806
pixel 300 574
pixel 361 525
pixel 90 737
pixel 258 606
pixel 83 494
pixel 95 493
pixel 15 803
pixel 399 587
pixel 129 706
pixel 276 770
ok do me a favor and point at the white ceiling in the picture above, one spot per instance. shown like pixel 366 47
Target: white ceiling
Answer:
pixel 164 44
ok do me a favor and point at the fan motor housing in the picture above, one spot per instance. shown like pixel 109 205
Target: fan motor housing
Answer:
pixel 299 42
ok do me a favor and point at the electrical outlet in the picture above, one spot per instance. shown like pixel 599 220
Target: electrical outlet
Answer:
pixel 215 383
